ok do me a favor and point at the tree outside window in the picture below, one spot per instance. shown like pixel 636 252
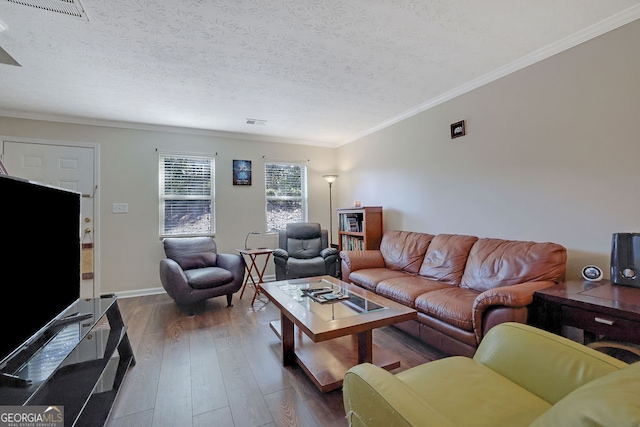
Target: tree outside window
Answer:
pixel 286 194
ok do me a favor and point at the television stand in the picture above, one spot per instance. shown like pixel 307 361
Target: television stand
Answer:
pixel 8 380
pixel 71 318
pixel 79 365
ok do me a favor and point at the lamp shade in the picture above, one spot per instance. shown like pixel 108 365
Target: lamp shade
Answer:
pixel 330 178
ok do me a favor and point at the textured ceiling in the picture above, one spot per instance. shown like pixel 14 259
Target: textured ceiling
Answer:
pixel 318 71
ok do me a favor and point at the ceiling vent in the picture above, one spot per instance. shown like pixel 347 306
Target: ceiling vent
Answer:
pixel 65 7
pixel 256 122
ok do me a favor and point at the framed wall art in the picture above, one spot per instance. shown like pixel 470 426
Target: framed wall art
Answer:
pixel 457 129
pixel 242 172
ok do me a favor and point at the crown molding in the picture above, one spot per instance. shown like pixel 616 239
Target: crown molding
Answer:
pixel 162 128
pixel 609 24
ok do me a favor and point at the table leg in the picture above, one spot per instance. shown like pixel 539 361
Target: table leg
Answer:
pixel 288 341
pixel 249 266
pixel 365 347
pixel 260 275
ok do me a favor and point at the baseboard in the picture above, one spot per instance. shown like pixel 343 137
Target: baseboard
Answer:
pixel 160 290
pixel 140 292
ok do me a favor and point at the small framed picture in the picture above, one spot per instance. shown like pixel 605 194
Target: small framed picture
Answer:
pixel 457 129
pixel 242 172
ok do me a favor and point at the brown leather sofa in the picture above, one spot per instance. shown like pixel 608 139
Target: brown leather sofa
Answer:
pixel 460 285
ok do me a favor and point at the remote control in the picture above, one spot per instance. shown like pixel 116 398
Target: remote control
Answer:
pixel 313 289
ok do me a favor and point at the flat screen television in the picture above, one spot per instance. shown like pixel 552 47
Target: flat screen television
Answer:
pixel 39 260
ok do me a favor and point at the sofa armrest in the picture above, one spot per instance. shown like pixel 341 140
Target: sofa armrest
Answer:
pixel 281 253
pixel 327 252
pixel 358 260
pixel 233 263
pixel 173 279
pixel 548 365
pixel 515 296
pixel 375 397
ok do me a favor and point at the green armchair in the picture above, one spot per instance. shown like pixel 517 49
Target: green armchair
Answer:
pixel 519 376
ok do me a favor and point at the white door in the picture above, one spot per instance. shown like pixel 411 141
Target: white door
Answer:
pixel 65 166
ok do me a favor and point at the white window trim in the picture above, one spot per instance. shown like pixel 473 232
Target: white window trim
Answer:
pixel 162 198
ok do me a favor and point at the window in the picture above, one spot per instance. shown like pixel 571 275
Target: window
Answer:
pixel 186 195
pixel 286 192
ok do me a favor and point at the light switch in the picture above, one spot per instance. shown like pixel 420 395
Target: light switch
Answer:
pixel 120 208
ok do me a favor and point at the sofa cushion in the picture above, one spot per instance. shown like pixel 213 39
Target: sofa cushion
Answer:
pixel 191 252
pixel 453 305
pixel 304 249
pixel 369 278
pixel 497 262
pixel 446 258
pixel 472 394
pixel 611 400
pixel 208 277
pixel 404 250
pixel 305 267
pixel 406 289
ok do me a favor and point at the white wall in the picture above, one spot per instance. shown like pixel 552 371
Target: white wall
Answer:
pixel 130 248
pixel 551 154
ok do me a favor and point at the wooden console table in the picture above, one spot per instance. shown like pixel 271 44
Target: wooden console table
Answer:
pixel 603 310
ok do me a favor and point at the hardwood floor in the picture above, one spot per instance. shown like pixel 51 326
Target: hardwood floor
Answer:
pixel 222 367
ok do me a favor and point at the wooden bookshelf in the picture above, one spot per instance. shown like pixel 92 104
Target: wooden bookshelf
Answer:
pixel 359 228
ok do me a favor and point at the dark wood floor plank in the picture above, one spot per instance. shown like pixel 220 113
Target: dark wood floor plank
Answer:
pixel 139 419
pixel 159 318
pixel 219 418
pixel 265 364
pixel 140 387
pixel 173 405
pixel 136 313
pixel 289 410
pixel 326 408
pixel 207 384
pixel 223 366
pixel 246 400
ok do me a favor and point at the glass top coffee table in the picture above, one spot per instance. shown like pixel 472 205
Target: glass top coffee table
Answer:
pixel 326 338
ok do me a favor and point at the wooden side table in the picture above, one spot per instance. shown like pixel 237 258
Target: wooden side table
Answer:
pixel 251 266
pixel 602 310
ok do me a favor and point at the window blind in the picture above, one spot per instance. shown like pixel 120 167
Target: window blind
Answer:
pixel 186 195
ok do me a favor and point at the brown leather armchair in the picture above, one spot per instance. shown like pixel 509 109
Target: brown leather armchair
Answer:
pixel 194 271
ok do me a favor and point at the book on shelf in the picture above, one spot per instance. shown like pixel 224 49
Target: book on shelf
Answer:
pixel 352 243
pixel 351 223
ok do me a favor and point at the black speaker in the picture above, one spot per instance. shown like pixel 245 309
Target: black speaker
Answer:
pixel 625 259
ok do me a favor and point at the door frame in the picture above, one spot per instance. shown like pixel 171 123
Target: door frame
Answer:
pixel 96 196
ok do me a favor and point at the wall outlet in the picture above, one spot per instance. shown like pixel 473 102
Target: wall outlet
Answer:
pixel 120 208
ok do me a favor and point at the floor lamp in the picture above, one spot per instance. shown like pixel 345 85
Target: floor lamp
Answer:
pixel 330 179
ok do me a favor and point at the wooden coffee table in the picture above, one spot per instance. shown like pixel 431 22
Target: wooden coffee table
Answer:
pixel 328 339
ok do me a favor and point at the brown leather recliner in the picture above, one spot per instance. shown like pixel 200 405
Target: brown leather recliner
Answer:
pixel 194 271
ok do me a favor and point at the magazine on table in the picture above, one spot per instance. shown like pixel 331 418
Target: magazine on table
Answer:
pixel 325 295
